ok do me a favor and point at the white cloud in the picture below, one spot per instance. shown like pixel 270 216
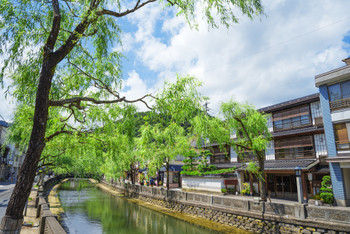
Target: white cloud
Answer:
pixel 263 62
pixel 7 106
pixel 135 88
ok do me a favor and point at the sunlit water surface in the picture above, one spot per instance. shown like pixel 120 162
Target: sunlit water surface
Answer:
pixel 90 210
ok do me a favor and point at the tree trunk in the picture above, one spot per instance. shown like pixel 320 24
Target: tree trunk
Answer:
pixel 262 179
pixel 167 176
pixel 12 221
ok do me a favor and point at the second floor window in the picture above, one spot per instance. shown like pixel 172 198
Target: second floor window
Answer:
pixel 294 148
pixel 339 91
pixel 292 118
pixel 339 95
pixel 220 155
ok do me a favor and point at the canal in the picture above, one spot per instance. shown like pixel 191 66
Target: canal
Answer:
pixel 90 210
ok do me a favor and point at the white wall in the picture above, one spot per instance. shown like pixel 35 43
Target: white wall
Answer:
pixel 213 184
pixel 341 116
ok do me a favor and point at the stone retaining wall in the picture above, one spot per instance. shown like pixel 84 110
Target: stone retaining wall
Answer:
pixel 48 221
pixel 251 215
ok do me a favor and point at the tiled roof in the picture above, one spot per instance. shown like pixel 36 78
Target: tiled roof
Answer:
pixel 4 124
pixel 291 103
pixel 290 164
pixel 304 164
pixel 322 169
pixel 227 165
pixel 297 131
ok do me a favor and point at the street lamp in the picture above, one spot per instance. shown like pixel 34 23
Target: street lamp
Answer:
pixel 297 171
pixel 299 184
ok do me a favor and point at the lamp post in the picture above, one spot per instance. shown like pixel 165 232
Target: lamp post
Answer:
pixel 299 184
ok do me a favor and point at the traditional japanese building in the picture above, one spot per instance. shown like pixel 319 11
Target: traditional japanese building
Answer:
pixel 298 142
pixel 334 87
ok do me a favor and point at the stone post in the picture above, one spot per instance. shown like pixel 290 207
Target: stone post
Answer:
pixel 299 185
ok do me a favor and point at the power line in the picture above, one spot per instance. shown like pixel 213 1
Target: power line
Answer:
pixel 279 44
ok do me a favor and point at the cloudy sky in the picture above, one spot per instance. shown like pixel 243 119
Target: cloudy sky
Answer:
pixel 264 61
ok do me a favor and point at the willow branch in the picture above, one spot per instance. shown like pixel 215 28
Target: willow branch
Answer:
pixel 78 100
pixel 49 138
pixel 124 13
pixel 70 9
pixel 103 86
pixel 74 37
pixel 56 22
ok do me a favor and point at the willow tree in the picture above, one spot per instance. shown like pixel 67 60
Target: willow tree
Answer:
pixel 58 55
pixel 175 106
pixel 251 136
pixel 241 127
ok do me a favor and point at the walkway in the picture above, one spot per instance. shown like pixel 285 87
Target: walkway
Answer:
pixel 6 189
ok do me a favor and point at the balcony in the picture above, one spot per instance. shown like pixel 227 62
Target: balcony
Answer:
pixel 343 145
pixel 340 104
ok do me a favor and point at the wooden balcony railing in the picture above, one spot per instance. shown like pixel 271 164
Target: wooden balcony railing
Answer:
pixel 340 104
pixel 343 145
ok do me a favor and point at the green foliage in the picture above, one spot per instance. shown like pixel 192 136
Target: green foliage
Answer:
pixel 245 189
pixel 212 172
pixel 84 136
pixel 326 194
pixel 250 126
pixel 231 190
pixel 190 160
pixel 223 190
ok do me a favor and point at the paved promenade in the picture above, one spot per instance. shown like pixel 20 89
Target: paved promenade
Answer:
pixel 6 189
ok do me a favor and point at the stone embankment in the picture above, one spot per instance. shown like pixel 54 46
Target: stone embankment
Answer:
pixel 41 215
pixel 248 214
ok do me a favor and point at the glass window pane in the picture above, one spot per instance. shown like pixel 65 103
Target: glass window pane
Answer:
pixel 334 92
pixel 345 88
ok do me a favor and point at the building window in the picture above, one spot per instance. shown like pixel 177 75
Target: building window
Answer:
pixel 247 156
pixel 292 118
pixel 341 136
pixel 294 148
pixel 222 158
pixel 220 155
pixel 339 95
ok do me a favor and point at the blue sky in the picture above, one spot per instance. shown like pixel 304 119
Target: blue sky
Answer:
pixel 263 62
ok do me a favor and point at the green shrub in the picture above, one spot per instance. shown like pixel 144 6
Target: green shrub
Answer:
pixel 326 190
pixel 327 197
pixel 246 189
pixel 231 190
pixel 223 190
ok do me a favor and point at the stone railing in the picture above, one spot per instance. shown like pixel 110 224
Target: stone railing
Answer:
pixel 48 222
pixel 280 213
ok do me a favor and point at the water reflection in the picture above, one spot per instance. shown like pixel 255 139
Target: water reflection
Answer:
pixel 89 210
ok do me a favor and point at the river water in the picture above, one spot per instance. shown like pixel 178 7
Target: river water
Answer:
pixel 90 210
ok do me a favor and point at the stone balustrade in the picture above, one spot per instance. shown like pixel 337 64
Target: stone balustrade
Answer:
pixel 246 213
